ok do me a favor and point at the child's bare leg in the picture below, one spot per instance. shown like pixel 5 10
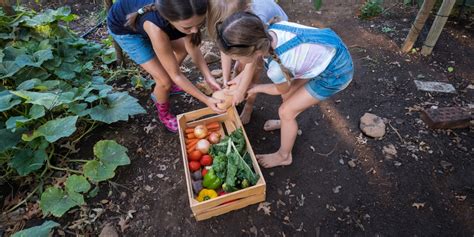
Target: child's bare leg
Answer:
pixel 288 112
pixel 274 124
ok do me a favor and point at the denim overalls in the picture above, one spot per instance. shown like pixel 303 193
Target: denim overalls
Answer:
pixel 340 70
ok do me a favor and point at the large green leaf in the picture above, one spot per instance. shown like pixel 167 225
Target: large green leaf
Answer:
pixel 67 71
pixel 79 109
pixel 111 153
pixel 9 139
pixel 46 99
pixel 34 60
pixel 49 16
pixel 26 161
pixel 109 56
pixel 78 184
pixel 38 231
pixel 8 68
pixel 54 130
pixel 58 202
pixel 29 84
pixel 8 100
pixel 119 106
pixel 98 171
pixel 1 55
pixel 36 112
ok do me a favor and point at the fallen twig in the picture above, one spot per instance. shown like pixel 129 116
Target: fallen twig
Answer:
pixel 396 131
pixel 328 154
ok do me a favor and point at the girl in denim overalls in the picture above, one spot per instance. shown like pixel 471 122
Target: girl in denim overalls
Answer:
pixel 306 65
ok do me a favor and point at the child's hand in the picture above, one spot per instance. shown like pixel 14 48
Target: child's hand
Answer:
pixel 253 90
pixel 237 95
pixel 235 81
pixel 212 103
pixel 211 81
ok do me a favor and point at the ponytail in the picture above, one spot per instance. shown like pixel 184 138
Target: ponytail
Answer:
pixel 196 38
pixel 132 17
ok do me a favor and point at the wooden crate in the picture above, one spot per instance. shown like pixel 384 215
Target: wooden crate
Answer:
pixel 232 201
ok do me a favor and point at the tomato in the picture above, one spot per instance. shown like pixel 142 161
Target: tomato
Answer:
pixel 206 160
pixel 194 155
pixel 204 172
pixel 194 165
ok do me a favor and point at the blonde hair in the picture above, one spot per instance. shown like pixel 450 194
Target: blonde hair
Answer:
pixel 219 10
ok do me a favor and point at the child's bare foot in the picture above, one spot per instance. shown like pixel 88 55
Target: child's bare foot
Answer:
pixel 246 114
pixel 274 159
pixel 272 124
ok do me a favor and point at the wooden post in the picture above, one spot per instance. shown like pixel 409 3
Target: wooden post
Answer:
pixel 118 50
pixel 7 7
pixel 437 26
pixel 416 27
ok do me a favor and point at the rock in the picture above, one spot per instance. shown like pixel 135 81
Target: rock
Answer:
pixel 211 57
pixel 389 151
pixel 216 73
pixel 372 125
pixel 446 165
pixel 108 231
pixel 351 163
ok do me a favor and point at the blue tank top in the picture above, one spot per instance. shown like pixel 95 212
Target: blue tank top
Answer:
pixel 117 17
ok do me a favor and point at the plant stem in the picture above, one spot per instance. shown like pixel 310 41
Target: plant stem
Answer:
pixel 64 169
pixel 24 200
pixel 85 161
pixel 92 127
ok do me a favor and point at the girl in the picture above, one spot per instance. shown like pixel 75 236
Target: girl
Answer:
pixel 157 35
pixel 220 10
pixel 306 65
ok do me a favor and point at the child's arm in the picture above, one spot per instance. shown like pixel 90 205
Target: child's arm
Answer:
pixel 245 81
pixel 271 89
pixel 198 59
pixel 164 51
pixel 226 62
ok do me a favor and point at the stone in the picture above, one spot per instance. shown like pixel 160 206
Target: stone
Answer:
pixel 216 73
pixel 372 125
pixel 211 57
pixel 108 231
pixel 389 151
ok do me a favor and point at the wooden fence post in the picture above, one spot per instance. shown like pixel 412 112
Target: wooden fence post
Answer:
pixel 7 7
pixel 416 27
pixel 118 50
pixel 437 26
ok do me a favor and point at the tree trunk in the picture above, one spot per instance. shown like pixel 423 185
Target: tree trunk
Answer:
pixel 7 7
pixel 437 26
pixel 118 50
pixel 420 21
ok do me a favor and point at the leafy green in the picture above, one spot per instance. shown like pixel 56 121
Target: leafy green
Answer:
pixel 26 161
pixel 78 184
pixel 119 107
pixel 38 231
pixel 54 130
pixel 110 155
pixel 9 139
pixel 57 201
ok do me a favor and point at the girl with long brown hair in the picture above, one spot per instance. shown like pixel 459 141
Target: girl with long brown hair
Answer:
pixel 157 35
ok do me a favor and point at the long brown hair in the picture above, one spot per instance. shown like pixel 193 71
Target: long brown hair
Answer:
pixel 219 10
pixel 172 10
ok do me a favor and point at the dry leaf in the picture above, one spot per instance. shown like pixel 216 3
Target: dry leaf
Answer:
pixel 418 205
pixel 124 224
pixel 265 206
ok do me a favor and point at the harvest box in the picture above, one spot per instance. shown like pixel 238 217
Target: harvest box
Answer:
pixel 229 122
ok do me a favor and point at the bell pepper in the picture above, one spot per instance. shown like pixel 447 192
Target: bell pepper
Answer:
pixel 211 180
pixel 206 194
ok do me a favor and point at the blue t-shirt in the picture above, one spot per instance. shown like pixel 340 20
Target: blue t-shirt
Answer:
pixel 117 17
pixel 267 9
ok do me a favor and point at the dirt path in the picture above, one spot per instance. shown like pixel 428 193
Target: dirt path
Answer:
pixel 426 190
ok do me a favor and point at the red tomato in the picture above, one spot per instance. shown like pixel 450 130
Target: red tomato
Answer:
pixel 194 165
pixel 204 172
pixel 194 155
pixel 206 160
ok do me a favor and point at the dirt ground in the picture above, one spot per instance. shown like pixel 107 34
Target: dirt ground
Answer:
pixel 425 190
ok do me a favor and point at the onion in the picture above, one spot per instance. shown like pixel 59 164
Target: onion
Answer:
pixel 200 131
pixel 203 146
pixel 214 138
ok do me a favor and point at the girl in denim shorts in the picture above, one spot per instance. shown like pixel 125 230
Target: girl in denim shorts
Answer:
pixel 306 65
pixel 158 35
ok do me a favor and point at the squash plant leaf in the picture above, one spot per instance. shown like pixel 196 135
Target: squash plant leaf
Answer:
pixel 40 231
pixel 57 202
pixel 98 171
pixel 9 139
pixel 26 161
pixel 119 106
pixel 53 130
pixel 111 153
pixel 78 184
pixel 8 100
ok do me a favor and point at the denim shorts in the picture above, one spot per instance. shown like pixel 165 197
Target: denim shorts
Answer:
pixel 138 48
pixel 327 84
